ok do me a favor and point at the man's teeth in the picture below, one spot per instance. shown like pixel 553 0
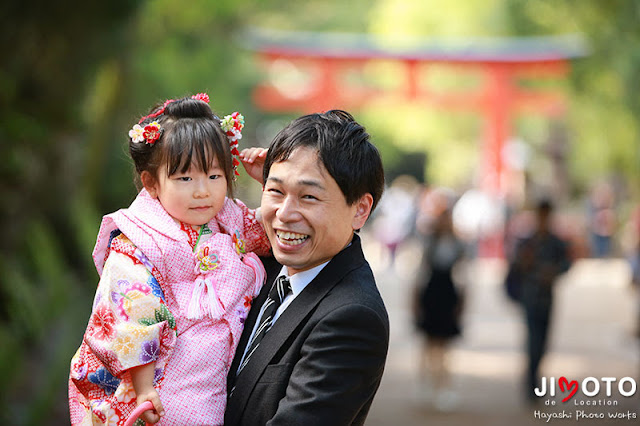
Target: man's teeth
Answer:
pixel 291 238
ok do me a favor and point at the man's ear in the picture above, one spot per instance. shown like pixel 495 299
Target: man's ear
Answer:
pixel 363 210
pixel 150 183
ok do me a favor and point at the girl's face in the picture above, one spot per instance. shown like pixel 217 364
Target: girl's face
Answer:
pixel 193 197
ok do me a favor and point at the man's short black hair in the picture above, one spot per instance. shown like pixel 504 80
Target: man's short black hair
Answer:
pixel 343 147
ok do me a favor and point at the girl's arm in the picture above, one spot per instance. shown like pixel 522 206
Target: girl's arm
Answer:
pixel 130 327
pixel 130 322
pixel 255 238
pixel 253 162
pixel 142 378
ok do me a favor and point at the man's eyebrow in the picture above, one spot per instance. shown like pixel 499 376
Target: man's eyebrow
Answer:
pixel 314 183
pixel 301 182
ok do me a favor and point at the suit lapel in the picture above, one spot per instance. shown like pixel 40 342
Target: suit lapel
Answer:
pixel 273 269
pixel 344 262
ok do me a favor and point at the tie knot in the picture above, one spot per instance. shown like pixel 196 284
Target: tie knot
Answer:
pixel 281 290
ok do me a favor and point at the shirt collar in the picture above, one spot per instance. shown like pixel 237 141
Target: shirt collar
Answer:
pixel 300 280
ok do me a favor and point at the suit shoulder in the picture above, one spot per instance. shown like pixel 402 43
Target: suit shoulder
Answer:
pixel 358 288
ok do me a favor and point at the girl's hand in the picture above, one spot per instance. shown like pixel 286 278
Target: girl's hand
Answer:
pixel 151 416
pixel 253 162
pixel 142 378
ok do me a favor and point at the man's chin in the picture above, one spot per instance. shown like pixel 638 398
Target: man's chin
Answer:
pixel 287 259
pixel 294 264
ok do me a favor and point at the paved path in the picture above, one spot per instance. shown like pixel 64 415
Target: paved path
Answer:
pixel 592 335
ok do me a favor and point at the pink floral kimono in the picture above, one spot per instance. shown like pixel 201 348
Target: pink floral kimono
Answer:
pixel 171 295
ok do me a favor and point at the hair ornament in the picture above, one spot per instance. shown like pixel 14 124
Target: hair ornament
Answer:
pixel 149 133
pixel 201 97
pixel 232 125
pixel 158 112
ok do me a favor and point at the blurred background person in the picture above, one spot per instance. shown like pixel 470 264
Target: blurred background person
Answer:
pixel 438 301
pixel 540 259
pixel 632 251
pixel 395 219
pixel 601 220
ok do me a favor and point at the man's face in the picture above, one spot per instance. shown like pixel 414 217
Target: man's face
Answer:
pixel 305 214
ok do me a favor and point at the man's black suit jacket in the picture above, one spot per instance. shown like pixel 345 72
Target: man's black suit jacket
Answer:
pixel 322 362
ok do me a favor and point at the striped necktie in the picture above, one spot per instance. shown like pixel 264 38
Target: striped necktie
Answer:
pixel 280 289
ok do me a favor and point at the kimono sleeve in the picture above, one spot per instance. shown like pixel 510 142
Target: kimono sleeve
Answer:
pixel 130 324
pixel 255 236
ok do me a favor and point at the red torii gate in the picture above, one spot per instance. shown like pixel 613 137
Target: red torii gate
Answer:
pixel 502 63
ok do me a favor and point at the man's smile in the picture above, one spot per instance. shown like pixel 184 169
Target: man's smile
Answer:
pixel 291 238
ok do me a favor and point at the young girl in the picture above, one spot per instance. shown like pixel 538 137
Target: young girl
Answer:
pixel 178 270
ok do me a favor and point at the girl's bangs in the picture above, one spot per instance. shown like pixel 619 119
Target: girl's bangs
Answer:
pixel 197 148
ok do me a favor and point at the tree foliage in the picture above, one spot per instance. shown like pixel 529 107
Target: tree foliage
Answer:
pixel 604 114
pixel 51 51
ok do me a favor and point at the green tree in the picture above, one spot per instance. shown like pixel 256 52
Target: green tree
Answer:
pixel 604 116
pixel 52 51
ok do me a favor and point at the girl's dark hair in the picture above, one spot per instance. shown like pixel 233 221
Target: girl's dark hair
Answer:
pixel 191 134
pixel 343 148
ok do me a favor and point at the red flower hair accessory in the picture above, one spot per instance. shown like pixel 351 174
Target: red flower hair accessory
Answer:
pixel 149 133
pixel 201 97
pixel 232 125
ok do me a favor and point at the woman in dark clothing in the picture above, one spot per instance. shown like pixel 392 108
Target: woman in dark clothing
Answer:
pixel 438 303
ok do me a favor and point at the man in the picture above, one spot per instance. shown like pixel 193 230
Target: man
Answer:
pixel 540 258
pixel 321 360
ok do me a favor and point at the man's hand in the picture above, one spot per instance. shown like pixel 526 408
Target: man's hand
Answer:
pixel 253 162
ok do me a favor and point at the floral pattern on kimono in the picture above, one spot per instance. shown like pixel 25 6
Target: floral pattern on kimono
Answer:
pixel 129 326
